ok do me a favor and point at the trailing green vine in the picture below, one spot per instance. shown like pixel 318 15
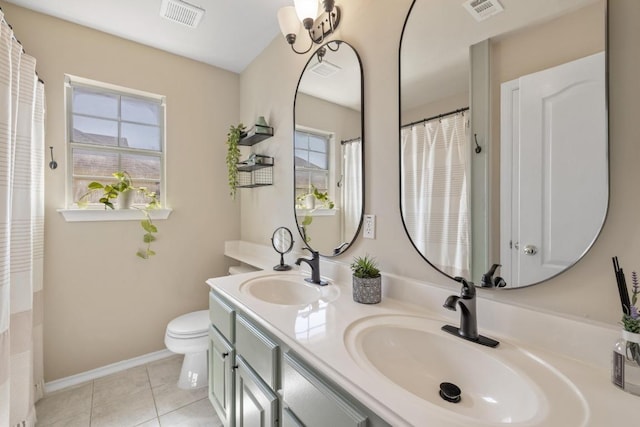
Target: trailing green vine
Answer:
pixel 233 157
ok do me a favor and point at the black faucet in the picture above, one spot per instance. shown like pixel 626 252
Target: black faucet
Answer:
pixel 468 317
pixel 488 281
pixel 314 263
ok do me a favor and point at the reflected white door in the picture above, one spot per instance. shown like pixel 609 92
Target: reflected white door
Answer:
pixel 554 131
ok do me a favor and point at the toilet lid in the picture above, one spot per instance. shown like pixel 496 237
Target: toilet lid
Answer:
pixel 193 323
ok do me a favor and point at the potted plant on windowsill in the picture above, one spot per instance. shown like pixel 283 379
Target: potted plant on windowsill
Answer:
pixel 124 191
pixel 367 281
pixel 308 203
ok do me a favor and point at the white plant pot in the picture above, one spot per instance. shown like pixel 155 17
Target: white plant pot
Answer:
pixel 310 201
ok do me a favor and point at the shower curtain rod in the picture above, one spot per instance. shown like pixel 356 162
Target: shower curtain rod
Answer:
pixel 439 116
pixel 16 39
pixel 348 141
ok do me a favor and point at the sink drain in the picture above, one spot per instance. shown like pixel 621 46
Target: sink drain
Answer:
pixel 450 392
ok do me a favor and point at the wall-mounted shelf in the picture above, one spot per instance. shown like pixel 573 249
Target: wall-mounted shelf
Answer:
pixel 255 135
pixel 256 175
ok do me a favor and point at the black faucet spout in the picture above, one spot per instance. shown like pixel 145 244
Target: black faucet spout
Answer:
pixel 468 314
pixel 314 264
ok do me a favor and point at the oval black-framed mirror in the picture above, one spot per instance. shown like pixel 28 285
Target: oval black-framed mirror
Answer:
pixel 328 117
pixel 527 189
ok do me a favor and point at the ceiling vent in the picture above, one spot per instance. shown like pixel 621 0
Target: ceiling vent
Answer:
pixel 181 12
pixel 324 69
pixel 483 9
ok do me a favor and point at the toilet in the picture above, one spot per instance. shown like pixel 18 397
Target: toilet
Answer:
pixel 189 335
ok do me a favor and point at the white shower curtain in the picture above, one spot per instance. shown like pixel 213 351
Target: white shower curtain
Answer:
pixel 21 232
pixel 351 188
pixel 435 199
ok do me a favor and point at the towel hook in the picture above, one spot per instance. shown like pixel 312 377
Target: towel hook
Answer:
pixel 478 148
pixel 52 164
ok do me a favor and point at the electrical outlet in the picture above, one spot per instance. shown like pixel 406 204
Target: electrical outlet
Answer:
pixel 369 227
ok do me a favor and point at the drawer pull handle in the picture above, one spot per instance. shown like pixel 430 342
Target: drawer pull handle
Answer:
pixel 225 354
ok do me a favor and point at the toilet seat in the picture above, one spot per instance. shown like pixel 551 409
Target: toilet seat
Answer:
pixel 188 333
pixel 193 324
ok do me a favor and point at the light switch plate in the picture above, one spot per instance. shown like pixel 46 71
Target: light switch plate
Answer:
pixel 369 227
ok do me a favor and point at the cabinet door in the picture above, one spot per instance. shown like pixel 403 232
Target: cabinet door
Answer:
pixel 221 379
pixel 258 350
pixel 312 402
pixel 256 403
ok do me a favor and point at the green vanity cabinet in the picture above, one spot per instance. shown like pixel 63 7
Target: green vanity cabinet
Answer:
pixel 257 376
pixel 310 401
pixel 255 380
pixel 222 359
pixel 221 376
pixel 256 403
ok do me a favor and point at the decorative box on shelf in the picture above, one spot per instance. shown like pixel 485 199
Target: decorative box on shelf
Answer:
pixel 256 134
pixel 256 174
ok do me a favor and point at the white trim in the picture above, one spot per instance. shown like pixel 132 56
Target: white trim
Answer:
pixel 82 215
pixel 316 212
pixel 113 368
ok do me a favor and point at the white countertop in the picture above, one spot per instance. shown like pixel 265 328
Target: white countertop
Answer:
pixel 575 352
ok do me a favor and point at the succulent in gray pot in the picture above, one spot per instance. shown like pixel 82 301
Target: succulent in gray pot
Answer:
pixel 367 281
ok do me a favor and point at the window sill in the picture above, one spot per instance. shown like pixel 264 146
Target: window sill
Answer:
pixel 316 212
pixel 87 215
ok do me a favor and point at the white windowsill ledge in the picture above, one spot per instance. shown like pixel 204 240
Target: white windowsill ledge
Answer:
pixel 316 212
pixel 86 215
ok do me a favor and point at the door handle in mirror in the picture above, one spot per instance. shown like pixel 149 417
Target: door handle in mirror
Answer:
pixel 530 250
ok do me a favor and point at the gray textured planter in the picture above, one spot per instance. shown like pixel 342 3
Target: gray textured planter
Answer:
pixel 367 291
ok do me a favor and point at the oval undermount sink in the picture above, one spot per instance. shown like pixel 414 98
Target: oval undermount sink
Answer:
pixel 288 289
pixel 498 385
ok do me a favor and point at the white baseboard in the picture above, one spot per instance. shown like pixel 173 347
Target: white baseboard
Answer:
pixel 105 370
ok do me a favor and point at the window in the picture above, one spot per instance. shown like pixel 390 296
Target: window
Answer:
pixel 311 161
pixel 112 129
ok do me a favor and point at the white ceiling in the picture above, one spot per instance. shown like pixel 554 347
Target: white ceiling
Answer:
pixel 436 40
pixel 230 35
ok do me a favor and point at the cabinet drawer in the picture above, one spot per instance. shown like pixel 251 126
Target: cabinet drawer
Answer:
pixel 222 316
pixel 260 351
pixel 313 401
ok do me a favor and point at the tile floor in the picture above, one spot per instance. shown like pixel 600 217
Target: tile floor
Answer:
pixel 145 396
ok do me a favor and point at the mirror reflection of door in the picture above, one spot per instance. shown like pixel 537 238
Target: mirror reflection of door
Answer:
pixel 554 168
pixel 328 149
pixel 436 78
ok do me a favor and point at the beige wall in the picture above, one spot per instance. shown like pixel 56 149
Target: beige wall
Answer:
pixel 588 290
pixel 102 303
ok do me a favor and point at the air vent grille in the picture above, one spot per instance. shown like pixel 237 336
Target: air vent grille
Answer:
pixel 325 69
pixel 483 9
pixel 181 12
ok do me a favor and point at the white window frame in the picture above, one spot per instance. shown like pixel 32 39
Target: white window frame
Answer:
pixel 72 212
pixel 329 141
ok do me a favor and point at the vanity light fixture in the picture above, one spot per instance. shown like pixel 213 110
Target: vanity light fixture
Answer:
pixel 306 12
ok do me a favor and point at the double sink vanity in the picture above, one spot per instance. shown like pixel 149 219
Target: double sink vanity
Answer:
pixel 289 353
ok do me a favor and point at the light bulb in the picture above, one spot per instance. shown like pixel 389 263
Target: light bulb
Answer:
pixel 306 9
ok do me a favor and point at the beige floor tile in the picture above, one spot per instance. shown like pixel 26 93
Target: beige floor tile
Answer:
pixel 72 405
pixel 128 410
pixel 169 397
pixel 75 421
pixel 151 423
pixel 114 387
pixel 165 371
pixel 197 414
